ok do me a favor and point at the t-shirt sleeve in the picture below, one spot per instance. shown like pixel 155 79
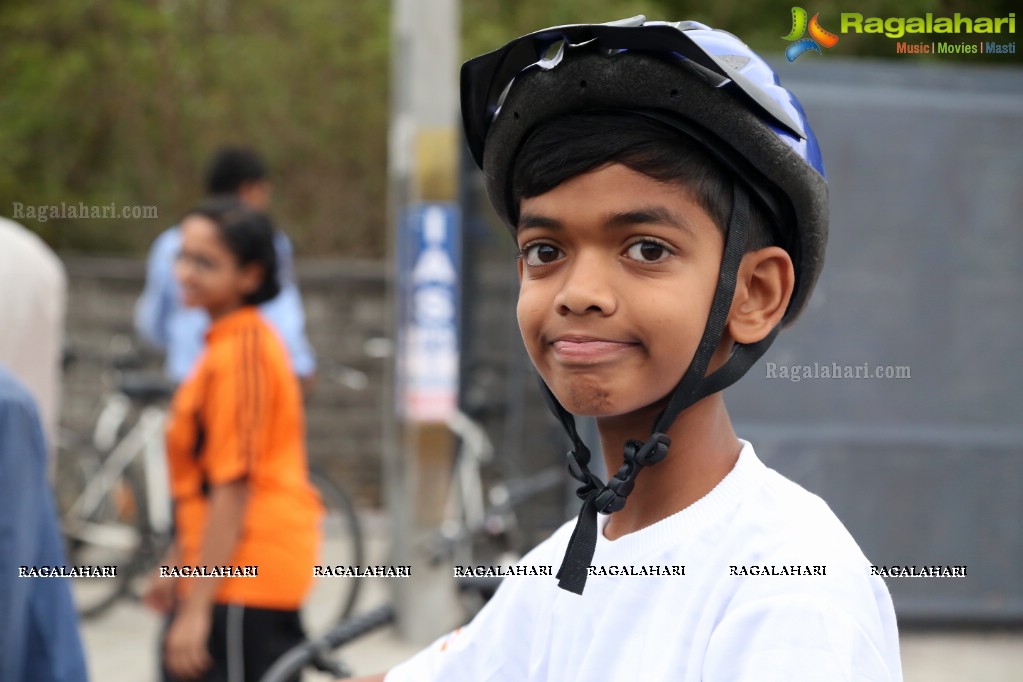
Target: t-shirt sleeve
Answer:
pixel 238 409
pixel 450 657
pixel 793 638
pixel 491 648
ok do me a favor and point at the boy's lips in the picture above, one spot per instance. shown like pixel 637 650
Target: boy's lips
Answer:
pixel 575 349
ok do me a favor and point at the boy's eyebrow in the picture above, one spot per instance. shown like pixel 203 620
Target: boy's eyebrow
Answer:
pixel 642 216
pixel 527 220
pixel 649 215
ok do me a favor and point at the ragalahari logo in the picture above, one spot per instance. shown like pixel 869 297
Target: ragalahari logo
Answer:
pixel 818 36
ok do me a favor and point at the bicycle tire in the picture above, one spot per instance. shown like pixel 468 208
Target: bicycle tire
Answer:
pixel 115 533
pixel 331 600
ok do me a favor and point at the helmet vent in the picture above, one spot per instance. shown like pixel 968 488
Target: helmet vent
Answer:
pixel 554 53
pixel 734 61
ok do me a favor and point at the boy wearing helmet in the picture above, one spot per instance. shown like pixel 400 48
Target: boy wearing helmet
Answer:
pixel 669 203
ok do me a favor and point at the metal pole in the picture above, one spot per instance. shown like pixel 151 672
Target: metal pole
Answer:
pixel 423 155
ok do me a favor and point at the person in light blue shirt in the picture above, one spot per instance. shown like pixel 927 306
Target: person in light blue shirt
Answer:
pixel 163 321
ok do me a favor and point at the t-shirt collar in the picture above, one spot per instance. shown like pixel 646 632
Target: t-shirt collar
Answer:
pixel 230 322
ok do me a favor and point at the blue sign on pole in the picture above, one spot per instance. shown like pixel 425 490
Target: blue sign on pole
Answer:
pixel 428 276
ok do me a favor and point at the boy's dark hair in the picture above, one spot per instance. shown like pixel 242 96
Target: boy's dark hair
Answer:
pixel 231 167
pixel 562 148
pixel 249 235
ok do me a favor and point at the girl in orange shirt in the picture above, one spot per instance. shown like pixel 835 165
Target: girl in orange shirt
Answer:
pixel 246 517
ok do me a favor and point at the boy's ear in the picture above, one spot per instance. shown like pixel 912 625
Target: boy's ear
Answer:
pixel 765 284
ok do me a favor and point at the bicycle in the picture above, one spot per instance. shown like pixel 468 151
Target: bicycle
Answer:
pixel 112 490
pixel 481 523
pixel 481 526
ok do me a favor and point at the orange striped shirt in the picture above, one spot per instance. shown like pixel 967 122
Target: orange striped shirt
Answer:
pixel 239 415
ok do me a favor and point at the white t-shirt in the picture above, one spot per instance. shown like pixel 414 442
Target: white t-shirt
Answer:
pixel 730 614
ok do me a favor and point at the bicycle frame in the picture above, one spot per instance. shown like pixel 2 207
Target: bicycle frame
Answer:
pixel 116 407
pixel 474 511
pixel 145 439
pixel 466 509
pixel 157 476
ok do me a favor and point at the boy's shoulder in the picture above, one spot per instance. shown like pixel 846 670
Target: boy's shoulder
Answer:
pixel 784 518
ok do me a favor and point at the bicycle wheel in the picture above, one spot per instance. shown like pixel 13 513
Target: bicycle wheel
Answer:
pixel 333 598
pixel 109 532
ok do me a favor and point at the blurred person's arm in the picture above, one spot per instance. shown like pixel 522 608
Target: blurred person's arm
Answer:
pixel 159 591
pixel 371 678
pixel 153 308
pixel 39 637
pixel 285 313
pixel 19 520
pixel 187 654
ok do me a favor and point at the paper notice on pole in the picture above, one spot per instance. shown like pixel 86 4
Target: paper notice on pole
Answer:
pixel 430 353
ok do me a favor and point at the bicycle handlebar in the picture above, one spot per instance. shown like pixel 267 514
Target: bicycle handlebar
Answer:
pixel 315 652
pixel 485 586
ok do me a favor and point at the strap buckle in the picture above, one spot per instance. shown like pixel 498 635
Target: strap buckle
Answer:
pixel 654 450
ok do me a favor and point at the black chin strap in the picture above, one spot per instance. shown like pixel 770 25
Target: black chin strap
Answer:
pixel 693 387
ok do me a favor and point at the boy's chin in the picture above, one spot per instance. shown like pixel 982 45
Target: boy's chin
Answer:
pixel 601 393
pixel 603 407
pixel 598 406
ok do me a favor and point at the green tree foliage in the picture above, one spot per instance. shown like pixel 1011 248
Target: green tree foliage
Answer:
pixel 121 101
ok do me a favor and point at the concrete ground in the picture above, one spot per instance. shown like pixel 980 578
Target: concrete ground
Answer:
pixel 121 644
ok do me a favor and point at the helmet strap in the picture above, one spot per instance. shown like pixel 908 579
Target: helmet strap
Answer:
pixel 694 386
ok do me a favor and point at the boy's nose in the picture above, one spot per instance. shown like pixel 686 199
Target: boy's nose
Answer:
pixel 586 289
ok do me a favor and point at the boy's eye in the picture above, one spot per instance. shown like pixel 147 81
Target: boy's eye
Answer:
pixel 648 252
pixel 540 254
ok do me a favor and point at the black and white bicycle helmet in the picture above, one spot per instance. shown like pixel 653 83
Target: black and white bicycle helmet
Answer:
pixel 709 86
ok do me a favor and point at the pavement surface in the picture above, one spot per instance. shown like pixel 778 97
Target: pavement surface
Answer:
pixel 121 644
